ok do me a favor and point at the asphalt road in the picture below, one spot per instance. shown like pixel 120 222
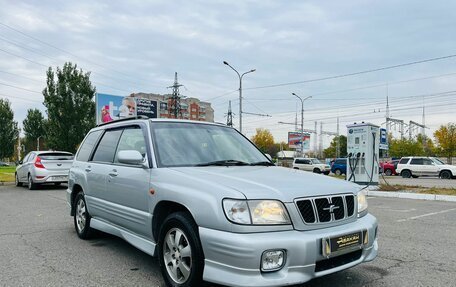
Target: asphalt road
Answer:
pixel 39 247
pixel 421 181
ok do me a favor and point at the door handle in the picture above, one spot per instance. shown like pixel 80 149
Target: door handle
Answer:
pixel 113 173
pixel 88 169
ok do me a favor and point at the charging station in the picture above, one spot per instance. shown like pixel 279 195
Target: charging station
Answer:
pixel 363 142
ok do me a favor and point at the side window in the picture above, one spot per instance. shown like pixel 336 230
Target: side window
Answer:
pixel 31 157
pixel 427 161
pixel 87 146
pixel 298 161
pixel 26 158
pixel 306 161
pixel 340 161
pixel 404 160
pixel 107 147
pixel 417 161
pixel 132 139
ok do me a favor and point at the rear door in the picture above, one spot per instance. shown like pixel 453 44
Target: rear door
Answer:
pixel 128 185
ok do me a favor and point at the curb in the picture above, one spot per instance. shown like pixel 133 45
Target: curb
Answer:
pixel 410 195
pixel 7 183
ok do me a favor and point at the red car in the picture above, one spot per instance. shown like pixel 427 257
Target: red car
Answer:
pixel 389 168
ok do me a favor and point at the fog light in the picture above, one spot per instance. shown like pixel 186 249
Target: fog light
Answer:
pixel 272 260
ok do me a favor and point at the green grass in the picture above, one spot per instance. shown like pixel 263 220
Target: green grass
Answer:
pixel 7 173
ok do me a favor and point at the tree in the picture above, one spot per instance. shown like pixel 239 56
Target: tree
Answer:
pixel 264 140
pixel 33 126
pixel 330 152
pixel 8 130
pixel 68 98
pixel 405 147
pixel 446 138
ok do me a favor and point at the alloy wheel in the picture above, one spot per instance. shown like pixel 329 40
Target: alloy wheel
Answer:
pixel 81 215
pixel 177 255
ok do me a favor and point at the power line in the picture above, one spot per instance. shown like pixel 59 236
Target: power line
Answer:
pixel 354 73
pixel 24 99
pixel 16 87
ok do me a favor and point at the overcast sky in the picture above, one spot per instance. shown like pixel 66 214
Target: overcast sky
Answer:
pixel 134 46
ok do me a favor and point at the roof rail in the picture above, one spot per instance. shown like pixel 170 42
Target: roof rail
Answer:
pixel 141 117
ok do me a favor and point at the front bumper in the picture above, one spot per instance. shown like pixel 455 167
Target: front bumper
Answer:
pixel 234 259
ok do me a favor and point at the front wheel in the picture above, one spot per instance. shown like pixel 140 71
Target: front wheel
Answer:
pixel 180 253
pixel 18 183
pixel 388 172
pixel 406 174
pixel 337 172
pixel 446 175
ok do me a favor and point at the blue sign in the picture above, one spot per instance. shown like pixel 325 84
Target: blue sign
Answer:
pixel 383 139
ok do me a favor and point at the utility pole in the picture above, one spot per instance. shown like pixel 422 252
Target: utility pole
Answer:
pixel 240 91
pixel 19 148
pixel 229 116
pixel 175 107
pixel 302 120
pixel 316 137
pixel 338 140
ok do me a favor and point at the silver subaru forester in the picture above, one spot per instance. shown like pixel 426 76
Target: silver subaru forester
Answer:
pixel 212 207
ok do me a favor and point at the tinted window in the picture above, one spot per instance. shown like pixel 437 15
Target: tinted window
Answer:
pixel 340 161
pixel 417 161
pixel 132 139
pixel 302 161
pixel 56 156
pixel 87 146
pixel 427 161
pixel 404 160
pixel 107 147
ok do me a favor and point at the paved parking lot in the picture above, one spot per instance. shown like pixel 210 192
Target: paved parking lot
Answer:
pixel 421 181
pixel 39 247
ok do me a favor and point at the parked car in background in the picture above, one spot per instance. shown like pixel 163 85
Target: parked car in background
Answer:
pixel 414 166
pixel 389 168
pixel 2 163
pixel 210 205
pixel 339 166
pixel 39 167
pixel 311 164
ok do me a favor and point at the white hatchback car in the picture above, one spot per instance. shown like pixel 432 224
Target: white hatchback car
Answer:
pixel 424 166
pixel 311 164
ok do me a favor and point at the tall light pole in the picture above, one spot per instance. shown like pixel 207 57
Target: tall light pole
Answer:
pixel 302 120
pixel 240 91
pixel 38 143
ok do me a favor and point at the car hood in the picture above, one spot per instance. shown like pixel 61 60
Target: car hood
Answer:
pixel 261 182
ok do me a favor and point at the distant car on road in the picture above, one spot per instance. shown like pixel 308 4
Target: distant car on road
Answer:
pixel 389 168
pixel 2 163
pixel 425 166
pixel 40 167
pixel 339 166
pixel 311 164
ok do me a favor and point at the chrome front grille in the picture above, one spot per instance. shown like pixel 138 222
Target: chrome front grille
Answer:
pixel 326 209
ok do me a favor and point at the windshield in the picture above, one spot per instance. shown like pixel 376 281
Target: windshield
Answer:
pixel 437 161
pixel 316 161
pixel 190 144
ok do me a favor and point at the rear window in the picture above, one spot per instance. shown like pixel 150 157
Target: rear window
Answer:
pixel 417 161
pixel 107 147
pixel 340 161
pixel 87 146
pixel 56 156
pixel 404 160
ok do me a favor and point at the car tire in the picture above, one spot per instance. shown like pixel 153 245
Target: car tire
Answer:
pixel 337 171
pixel 295 168
pixel 388 172
pixel 18 183
pixel 406 174
pixel 446 174
pixel 82 217
pixel 57 183
pixel 30 184
pixel 316 170
pixel 181 259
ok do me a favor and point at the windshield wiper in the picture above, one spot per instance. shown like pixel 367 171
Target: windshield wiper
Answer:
pixel 263 163
pixel 226 162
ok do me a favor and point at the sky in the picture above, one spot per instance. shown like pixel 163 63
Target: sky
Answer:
pixel 136 46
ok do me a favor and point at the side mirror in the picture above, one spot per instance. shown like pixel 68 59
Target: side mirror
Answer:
pixel 132 157
pixel 19 162
pixel 269 156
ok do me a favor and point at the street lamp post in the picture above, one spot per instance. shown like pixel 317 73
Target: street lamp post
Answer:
pixel 302 120
pixel 38 143
pixel 240 91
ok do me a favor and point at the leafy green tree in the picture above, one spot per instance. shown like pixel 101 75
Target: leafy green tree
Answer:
pixel 8 130
pixel 331 151
pixel 68 98
pixel 263 139
pixel 405 147
pixel 34 128
pixel 446 138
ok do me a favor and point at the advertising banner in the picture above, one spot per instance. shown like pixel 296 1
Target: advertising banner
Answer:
pixel 146 107
pixel 112 107
pixel 294 140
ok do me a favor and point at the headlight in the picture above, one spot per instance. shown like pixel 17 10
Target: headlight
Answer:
pixel 362 201
pixel 261 212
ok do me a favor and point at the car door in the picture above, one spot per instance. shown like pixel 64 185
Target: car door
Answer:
pixel 430 168
pixel 97 170
pixel 306 165
pixel 128 185
pixel 23 168
pixel 416 166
